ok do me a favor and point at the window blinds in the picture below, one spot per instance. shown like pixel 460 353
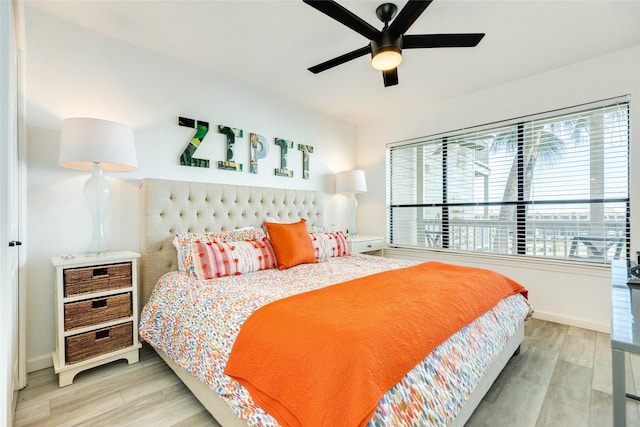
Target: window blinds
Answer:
pixel 551 185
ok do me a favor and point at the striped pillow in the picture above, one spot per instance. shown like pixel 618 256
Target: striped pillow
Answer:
pixel 183 243
pixel 219 258
pixel 327 245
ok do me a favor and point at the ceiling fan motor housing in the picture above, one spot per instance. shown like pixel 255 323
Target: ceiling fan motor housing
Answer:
pixel 386 41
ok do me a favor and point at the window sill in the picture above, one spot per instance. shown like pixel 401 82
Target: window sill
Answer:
pixel 488 260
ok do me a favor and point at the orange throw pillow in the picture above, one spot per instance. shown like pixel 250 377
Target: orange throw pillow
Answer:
pixel 291 243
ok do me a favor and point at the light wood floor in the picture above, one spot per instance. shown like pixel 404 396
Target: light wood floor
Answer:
pixel 562 377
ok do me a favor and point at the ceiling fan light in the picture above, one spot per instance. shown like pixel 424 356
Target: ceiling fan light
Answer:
pixel 386 58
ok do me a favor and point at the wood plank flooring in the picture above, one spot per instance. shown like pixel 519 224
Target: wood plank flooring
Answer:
pixel 562 377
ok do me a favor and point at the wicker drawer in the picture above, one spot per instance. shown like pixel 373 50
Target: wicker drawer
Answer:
pixel 97 310
pixel 84 280
pixel 91 344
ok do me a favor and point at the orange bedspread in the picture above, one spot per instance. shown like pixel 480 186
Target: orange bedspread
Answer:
pixel 326 357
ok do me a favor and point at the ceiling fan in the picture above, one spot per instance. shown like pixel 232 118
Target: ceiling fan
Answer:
pixel 385 46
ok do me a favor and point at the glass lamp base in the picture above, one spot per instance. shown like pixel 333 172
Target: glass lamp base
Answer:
pixel 353 207
pixel 97 193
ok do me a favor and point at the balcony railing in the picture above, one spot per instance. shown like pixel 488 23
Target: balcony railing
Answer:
pixel 567 239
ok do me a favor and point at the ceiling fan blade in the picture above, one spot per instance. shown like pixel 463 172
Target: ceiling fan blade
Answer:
pixel 390 77
pixel 408 15
pixel 441 40
pixel 340 59
pixel 345 17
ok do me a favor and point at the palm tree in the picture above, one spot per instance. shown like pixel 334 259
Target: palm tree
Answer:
pixel 542 147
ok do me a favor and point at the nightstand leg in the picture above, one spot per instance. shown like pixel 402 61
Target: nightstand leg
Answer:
pixel 66 378
pixel 133 356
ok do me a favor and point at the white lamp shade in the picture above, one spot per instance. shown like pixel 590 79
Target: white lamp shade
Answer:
pixel 351 181
pixel 87 141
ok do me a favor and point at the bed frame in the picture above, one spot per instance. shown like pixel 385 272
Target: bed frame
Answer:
pixel 169 206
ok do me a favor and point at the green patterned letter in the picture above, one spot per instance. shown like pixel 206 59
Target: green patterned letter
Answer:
pixel 306 150
pixel 284 148
pixel 231 133
pixel 187 159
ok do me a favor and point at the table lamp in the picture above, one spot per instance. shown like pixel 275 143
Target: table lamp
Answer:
pixel 351 182
pixel 99 146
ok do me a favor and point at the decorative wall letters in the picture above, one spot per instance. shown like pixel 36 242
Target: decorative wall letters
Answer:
pixel 230 164
pixel 258 149
pixel 306 150
pixel 284 148
pixel 187 159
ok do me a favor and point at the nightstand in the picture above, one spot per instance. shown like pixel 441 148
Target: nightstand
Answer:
pixel 365 244
pixel 96 311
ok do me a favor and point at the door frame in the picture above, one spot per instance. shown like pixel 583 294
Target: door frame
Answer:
pixel 21 134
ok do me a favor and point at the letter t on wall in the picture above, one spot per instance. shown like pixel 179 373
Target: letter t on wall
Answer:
pixel 284 148
pixel 306 150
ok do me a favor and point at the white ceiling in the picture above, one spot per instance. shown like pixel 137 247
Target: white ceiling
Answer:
pixel 268 45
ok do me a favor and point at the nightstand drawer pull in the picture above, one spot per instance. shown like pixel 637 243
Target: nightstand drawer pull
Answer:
pixel 98 272
pixel 100 303
pixel 102 334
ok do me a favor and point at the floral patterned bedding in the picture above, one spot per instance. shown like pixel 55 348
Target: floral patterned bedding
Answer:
pixel 195 323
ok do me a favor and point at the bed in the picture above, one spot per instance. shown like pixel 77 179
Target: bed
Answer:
pixel 171 206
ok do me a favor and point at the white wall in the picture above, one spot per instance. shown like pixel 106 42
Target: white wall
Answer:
pixel 577 296
pixel 73 72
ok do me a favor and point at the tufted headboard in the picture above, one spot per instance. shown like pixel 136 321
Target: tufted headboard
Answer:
pixel 170 206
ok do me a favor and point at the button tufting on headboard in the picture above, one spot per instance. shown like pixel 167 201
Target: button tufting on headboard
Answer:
pixel 170 206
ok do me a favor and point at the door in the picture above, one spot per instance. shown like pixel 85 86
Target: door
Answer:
pixel 10 188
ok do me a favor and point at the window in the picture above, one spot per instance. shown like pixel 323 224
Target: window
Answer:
pixel 554 185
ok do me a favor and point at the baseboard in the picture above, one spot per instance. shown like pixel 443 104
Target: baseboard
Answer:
pixel 580 323
pixel 37 363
